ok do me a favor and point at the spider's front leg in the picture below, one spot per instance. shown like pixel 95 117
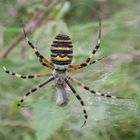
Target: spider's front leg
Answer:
pixel 35 89
pixel 29 76
pixel 45 62
pixel 91 90
pixel 88 60
pixel 80 100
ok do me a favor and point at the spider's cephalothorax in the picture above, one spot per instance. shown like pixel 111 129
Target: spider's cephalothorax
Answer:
pixel 61 87
pixel 60 65
pixel 61 52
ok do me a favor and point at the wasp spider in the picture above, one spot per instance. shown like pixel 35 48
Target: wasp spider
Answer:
pixel 60 65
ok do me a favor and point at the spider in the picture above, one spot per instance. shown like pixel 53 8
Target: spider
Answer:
pixel 60 65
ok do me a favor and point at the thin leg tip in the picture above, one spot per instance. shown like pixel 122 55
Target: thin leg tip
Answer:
pixel 83 124
pixel 24 32
pixel 3 67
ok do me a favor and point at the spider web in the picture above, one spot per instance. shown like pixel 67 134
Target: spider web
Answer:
pixel 105 112
pixel 102 112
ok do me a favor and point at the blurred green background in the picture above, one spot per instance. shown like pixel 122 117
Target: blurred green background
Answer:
pixel 118 73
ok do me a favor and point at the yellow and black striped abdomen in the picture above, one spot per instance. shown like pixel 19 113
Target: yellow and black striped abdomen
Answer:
pixel 61 50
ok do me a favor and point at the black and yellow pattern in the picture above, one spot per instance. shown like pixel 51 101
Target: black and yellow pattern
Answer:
pixel 97 45
pixel 60 64
pixel 80 100
pixel 29 76
pixel 88 60
pixel 82 65
pixel 91 90
pixel 45 62
pixel 62 50
pixel 34 89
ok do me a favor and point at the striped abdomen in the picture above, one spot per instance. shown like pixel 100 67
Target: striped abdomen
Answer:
pixel 61 50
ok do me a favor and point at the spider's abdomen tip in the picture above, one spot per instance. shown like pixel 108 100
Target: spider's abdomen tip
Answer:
pixel 62 37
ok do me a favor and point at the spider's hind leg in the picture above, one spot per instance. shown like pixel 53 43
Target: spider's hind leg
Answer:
pixel 97 45
pixel 88 60
pixel 42 59
pixel 82 65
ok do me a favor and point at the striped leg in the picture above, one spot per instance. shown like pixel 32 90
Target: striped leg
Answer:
pixel 87 62
pixel 41 58
pixel 97 45
pixel 30 76
pixel 34 89
pixel 90 90
pixel 80 99
pixel 82 65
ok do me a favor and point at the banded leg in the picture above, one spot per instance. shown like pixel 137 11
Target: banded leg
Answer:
pixel 87 62
pixel 90 90
pixel 82 65
pixel 80 100
pixel 34 89
pixel 97 45
pixel 41 58
pixel 29 76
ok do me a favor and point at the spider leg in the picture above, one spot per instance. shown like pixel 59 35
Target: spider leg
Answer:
pixel 87 61
pixel 82 65
pixel 97 45
pixel 91 90
pixel 29 76
pixel 34 89
pixel 45 62
pixel 80 100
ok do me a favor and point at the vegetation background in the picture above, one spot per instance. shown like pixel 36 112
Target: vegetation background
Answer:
pixel 118 73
